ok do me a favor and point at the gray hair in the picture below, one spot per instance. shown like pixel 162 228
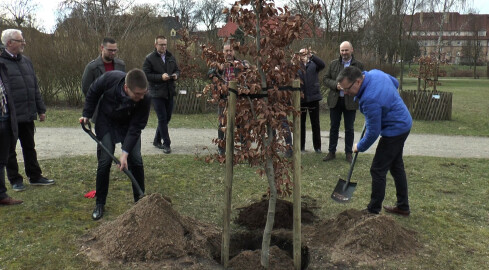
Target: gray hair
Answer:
pixel 8 34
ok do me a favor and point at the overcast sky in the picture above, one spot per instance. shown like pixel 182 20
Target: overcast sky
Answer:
pixel 47 14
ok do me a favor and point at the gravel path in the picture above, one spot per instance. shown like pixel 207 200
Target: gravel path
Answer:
pixel 60 142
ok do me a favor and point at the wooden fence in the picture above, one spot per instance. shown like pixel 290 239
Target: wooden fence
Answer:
pixel 191 100
pixel 428 105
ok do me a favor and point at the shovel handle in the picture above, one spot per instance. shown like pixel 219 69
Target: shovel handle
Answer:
pixel 89 131
pixel 354 158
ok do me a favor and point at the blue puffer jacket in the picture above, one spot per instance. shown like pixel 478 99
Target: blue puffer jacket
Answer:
pixel 384 110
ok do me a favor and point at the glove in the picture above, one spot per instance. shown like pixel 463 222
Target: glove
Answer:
pixel 90 194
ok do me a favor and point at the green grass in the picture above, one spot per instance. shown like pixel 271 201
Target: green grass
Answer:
pixel 448 201
pixel 469 112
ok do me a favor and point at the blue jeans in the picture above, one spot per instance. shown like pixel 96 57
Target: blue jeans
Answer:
pixel 135 164
pixel 163 108
pixel 349 119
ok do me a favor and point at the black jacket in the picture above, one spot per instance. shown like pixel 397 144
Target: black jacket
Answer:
pixel 310 79
pixel 95 69
pixel 335 67
pixel 23 86
pixel 10 105
pixel 117 113
pixel 154 68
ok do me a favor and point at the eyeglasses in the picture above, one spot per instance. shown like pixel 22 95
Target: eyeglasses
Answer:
pixel 19 40
pixel 351 85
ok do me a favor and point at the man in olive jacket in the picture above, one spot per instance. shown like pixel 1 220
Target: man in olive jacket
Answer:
pixel 28 105
pixel 339 103
pixel 162 71
pixel 105 62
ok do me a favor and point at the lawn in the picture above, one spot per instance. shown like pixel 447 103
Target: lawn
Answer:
pixel 469 112
pixel 448 200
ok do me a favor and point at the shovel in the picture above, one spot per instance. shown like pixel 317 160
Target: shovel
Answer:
pixel 343 191
pixel 126 171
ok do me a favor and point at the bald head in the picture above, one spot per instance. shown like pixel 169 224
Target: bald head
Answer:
pixel 346 50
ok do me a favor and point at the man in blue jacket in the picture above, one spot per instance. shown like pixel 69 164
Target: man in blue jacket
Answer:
pixel 123 112
pixel 385 115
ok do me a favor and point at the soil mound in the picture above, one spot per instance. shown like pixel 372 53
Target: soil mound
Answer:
pixel 254 216
pixel 152 231
pixel 250 260
pixel 357 237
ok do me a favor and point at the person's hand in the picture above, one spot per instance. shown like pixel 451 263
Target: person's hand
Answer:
pixel 42 117
pixel 355 149
pixel 83 120
pixel 174 76
pixel 165 77
pixel 123 161
pixel 338 86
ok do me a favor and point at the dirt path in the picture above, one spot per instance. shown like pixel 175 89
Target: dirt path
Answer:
pixel 59 142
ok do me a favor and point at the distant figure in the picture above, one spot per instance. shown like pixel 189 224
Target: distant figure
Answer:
pixel 311 66
pixel 227 72
pixel 162 71
pixel 123 113
pixel 8 133
pixel 385 115
pixel 106 61
pixel 28 105
pixel 340 104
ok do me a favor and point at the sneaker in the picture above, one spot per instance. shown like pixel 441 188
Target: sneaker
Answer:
pixel 330 156
pixel 43 181
pixel 18 187
pixel 349 157
pixel 166 149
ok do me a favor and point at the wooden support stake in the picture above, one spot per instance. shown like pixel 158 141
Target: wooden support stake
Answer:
pixel 296 96
pixel 228 181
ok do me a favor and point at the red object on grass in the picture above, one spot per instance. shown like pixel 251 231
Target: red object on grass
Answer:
pixel 90 194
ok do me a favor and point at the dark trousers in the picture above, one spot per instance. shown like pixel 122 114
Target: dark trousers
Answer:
pixel 135 164
pixel 163 108
pixel 349 120
pixel 6 142
pixel 32 168
pixel 313 108
pixel 388 157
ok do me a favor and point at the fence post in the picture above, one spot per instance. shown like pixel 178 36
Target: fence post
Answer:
pixel 296 96
pixel 228 181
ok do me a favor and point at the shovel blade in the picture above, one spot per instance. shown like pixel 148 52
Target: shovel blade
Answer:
pixel 343 191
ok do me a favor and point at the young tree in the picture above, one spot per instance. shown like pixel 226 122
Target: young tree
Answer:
pixel 260 133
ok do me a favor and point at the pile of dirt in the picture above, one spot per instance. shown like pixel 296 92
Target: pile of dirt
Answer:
pixel 254 216
pixel 358 237
pixel 152 231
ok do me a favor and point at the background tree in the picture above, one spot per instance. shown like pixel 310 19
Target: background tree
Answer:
pixel 472 50
pixel 19 12
pixel 185 11
pixel 209 12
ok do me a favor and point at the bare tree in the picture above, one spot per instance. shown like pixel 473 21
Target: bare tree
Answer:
pixel 472 50
pixel 210 13
pixel 20 12
pixel 184 10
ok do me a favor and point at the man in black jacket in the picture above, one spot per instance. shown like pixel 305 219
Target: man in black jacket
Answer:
pixel 8 133
pixel 122 114
pixel 339 103
pixel 311 66
pixel 162 71
pixel 28 104
pixel 106 61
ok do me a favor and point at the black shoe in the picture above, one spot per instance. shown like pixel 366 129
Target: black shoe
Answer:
pixel 349 157
pixel 18 187
pixel 158 145
pixel 318 151
pixel 166 149
pixel 43 181
pixel 367 211
pixel 98 212
pixel 330 156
